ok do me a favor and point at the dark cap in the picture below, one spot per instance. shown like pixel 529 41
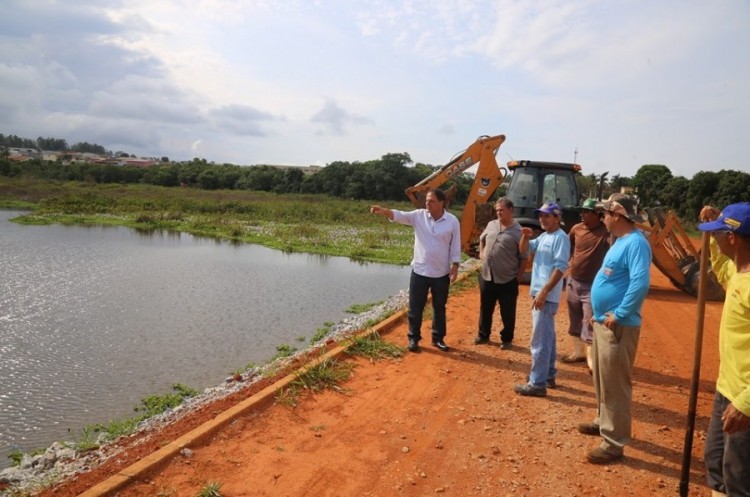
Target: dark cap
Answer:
pixel 549 208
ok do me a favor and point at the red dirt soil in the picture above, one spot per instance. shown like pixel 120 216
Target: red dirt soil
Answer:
pixel 450 423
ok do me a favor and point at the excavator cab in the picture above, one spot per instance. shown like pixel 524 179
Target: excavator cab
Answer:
pixel 535 183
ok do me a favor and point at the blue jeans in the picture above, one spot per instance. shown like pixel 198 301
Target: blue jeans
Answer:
pixel 419 287
pixel 727 457
pixel 543 345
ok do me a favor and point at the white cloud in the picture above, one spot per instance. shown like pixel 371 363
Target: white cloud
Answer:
pixel 238 81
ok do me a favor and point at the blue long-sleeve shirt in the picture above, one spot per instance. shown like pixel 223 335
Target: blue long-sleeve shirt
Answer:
pixel 621 284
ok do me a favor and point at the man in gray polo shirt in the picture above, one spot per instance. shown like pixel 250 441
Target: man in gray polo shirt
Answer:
pixel 502 265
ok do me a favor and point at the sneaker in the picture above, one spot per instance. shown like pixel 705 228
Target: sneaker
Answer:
pixel 481 341
pixel 601 456
pixel 413 345
pixel 440 344
pixel 589 429
pixel 529 390
pixel 506 345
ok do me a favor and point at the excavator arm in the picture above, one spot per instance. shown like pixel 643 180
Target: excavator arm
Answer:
pixel 488 178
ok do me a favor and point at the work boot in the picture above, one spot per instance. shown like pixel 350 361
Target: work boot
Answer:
pixel 579 352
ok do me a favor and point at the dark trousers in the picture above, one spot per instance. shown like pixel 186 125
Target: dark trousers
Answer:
pixel 504 294
pixel 419 287
pixel 727 457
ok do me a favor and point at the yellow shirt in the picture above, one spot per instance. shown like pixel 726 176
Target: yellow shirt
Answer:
pixel 734 332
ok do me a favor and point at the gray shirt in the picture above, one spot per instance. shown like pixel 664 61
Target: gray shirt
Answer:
pixel 502 258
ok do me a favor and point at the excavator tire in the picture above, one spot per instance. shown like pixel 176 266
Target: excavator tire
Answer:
pixel 714 291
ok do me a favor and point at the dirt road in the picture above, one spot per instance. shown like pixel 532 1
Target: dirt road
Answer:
pixel 450 424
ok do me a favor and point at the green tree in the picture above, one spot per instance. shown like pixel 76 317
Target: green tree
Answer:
pixel 86 147
pixel 675 195
pixel 587 185
pixel 700 192
pixel 649 183
pixel 733 186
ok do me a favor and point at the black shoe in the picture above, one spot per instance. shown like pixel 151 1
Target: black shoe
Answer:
pixel 481 341
pixel 550 383
pixel 413 346
pixel 506 345
pixel 530 390
pixel 589 429
pixel 440 344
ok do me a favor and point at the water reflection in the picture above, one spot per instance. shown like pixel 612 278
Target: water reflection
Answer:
pixel 94 320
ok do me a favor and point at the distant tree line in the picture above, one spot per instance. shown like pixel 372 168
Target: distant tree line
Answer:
pixel 381 179
pixel 655 185
pixel 54 145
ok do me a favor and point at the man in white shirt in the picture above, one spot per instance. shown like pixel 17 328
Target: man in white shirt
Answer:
pixel 437 254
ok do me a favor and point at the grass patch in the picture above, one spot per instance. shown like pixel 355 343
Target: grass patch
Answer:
pixel 373 347
pixel 92 436
pixel 360 308
pixel 283 350
pixel 321 332
pixel 211 489
pixel 327 374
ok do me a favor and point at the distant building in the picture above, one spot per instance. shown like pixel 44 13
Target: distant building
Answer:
pixel 27 153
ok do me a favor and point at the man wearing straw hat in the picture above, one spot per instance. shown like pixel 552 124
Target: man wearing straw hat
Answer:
pixel 617 295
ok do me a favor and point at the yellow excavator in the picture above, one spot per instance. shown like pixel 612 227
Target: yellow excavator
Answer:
pixel 533 183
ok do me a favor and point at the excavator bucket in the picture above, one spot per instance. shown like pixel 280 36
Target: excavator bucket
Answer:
pixel 674 254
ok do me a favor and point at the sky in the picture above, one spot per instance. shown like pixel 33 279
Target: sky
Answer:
pixel 612 85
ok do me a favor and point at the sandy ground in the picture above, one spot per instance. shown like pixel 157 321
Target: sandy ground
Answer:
pixel 450 423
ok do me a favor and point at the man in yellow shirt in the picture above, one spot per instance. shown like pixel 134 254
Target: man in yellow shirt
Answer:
pixel 727 450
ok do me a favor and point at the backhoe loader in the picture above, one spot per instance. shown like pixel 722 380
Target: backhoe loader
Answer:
pixel 533 183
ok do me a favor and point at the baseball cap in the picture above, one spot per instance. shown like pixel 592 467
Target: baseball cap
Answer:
pixel 589 205
pixel 622 204
pixel 549 208
pixel 734 217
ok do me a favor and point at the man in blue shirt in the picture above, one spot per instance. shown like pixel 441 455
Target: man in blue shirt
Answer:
pixel 551 252
pixel 437 254
pixel 617 295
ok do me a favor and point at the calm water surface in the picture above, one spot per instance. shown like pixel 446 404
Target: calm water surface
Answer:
pixel 92 320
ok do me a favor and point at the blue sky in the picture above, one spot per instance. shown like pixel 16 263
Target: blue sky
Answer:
pixel 625 83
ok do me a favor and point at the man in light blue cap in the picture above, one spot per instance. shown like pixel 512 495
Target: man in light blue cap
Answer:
pixel 551 252
pixel 727 449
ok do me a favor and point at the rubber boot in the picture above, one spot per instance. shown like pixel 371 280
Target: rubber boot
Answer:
pixel 589 359
pixel 579 352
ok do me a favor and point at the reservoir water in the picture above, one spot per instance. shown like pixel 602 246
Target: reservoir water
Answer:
pixel 92 320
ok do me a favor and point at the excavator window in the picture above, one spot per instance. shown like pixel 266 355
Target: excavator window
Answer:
pixel 525 189
pixel 559 187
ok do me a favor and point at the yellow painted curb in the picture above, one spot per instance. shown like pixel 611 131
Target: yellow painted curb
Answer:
pixel 196 435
